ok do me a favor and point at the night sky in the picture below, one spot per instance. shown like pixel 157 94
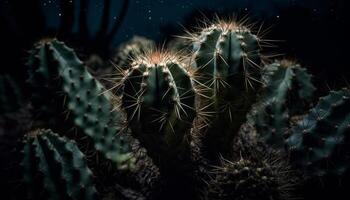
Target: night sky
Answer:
pixel 312 31
pixel 146 17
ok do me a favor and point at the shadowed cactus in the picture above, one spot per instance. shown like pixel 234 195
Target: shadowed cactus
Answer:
pixel 54 70
pixel 54 168
pixel 319 143
pixel 248 178
pixel 228 75
pixel 288 91
pixel 159 99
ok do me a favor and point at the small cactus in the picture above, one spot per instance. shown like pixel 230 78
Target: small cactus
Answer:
pixel 187 115
pixel 247 178
pixel 59 165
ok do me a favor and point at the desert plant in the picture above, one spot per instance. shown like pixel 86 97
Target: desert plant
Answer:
pixel 187 121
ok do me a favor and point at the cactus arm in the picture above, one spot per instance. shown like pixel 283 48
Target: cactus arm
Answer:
pixel 90 106
pixel 64 171
pixel 322 135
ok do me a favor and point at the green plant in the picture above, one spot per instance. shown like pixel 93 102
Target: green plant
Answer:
pixel 176 129
pixel 57 73
pixel 228 75
pixel 319 142
pixel 55 164
pixel 288 91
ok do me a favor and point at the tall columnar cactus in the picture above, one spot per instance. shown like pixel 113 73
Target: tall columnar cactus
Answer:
pixel 158 98
pixel 54 166
pixel 227 73
pixel 11 96
pixel 288 91
pixel 319 143
pixel 55 70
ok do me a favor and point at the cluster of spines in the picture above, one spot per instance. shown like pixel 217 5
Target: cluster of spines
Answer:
pixel 263 178
pixel 319 142
pixel 227 73
pixel 288 91
pixel 158 98
pixel 56 69
pixel 60 165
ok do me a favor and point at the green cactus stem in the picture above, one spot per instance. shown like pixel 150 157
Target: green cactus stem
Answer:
pixel 56 165
pixel 319 143
pixel 158 98
pixel 56 70
pixel 288 91
pixel 227 73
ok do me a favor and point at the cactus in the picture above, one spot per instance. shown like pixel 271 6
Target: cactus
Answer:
pixel 288 90
pixel 158 98
pixel 319 143
pixel 186 114
pixel 11 95
pixel 131 49
pixel 249 178
pixel 227 73
pixel 60 165
pixel 56 69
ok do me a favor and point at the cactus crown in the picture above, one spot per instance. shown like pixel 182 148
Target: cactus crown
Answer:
pixel 159 81
pixel 225 50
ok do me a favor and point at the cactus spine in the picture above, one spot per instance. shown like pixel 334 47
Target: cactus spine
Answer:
pixel 159 98
pixel 60 165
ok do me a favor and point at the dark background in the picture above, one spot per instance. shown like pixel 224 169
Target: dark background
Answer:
pixel 311 31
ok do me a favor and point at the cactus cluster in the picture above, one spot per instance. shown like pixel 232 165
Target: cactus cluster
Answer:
pixel 158 97
pixel 56 69
pixel 175 126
